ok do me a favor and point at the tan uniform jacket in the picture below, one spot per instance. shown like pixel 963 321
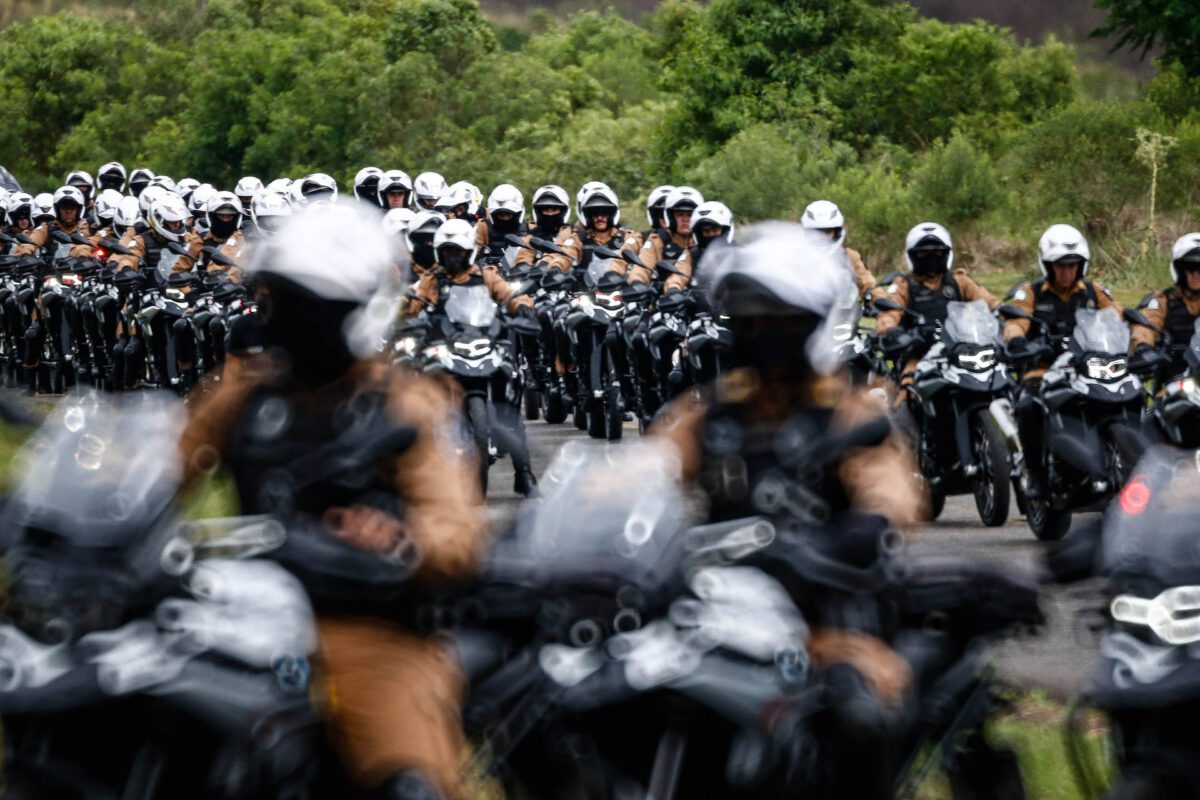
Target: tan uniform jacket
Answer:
pixel 235 247
pixel 652 252
pixel 897 291
pixel 618 239
pixel 393 699
pixel 1023 298
pixel 863 278
pixel 41 235
pixel 565 239
pixel 137 244
pixel 1155 311
pixel 500 289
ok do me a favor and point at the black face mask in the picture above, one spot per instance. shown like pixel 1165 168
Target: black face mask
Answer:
pixel 138 188
pixel 454 260
pixel 548 224
pixel 306 331
pixel 422 252
pixel 930 262
pixel 111 181
pixel 222 229
pixel 503 227
pixel 775 344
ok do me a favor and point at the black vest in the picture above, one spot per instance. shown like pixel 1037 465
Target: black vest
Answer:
pixel 931 303
pixel 741 456
pixel 671 251
pixel 1182 326
pixel 495 244
pixel 282 455
pixel 1057 313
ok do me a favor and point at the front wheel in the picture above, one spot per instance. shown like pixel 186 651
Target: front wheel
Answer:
pixel 1048 524
pixel 532 404
pixel 995 464
pixel 477 418
pixel 554 409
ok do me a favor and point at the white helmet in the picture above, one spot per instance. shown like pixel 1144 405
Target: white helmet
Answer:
pixel 106 205
pixel 455 196
pixel 713 212
pixel 366 184
pixel 20 201
pixel 393 180
pixel 657 201
pixel 422 222
pixel 198 202
pixel 164 181
pixel 139 179
pixel 147 198
pixel 334 249
pixel 69 194
pixel 129 214
pixel 928 236
pixel 551 195
pixel 185 188
pixel 1060 242
pixel 583 192
pixel 318 186
pixel 82 180
pixel 507 197
pixel 427 188
pixel 599 195
pixel 246 189
pixel 455 233
pixel 4 195
pixel 281 186
pixel 268 211
pixel 681 198
pixel 395 222
pixel 823 215
pixel 112 176
pixel 43 208
pixel 165 211
pixel 223 201
pixel 1186 248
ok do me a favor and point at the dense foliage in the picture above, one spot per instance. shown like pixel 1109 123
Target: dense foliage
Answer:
pixel 766 105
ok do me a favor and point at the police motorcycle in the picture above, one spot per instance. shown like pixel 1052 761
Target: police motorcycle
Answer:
pixel 1147 681
pixel 145 656
pixel 544 393
pixel 658 346
pixel 593 328
pixel 466 337
pixel 960 401
pixel 1092 407
pixel 19 296
pixel 1175 366
pixel 161 318
pixel 668 661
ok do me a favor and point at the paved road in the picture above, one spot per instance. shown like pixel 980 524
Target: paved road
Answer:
pixel 1059 659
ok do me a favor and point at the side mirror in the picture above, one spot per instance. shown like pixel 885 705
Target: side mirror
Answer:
pixel 1135 317
pixel 887 304
pixel 1014 312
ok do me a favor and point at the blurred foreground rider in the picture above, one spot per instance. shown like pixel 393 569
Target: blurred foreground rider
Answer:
pixel 777 291
pixel 392 696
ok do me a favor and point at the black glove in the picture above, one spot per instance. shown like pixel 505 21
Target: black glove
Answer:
pixel 542 264
pixel 893 335
pixel 1017 344
pixel 674 290
pixel 1144 359
pixel 525 312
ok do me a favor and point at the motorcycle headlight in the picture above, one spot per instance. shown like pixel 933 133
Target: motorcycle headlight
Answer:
pixel 1105 369
pixel 609 300
pixel 976 360
pixel 474 348
pixel 843 332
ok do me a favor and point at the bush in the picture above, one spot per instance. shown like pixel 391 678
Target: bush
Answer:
pixel 957 183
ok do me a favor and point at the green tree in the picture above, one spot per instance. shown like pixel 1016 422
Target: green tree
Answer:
pixel 454 32
pixel 1145 25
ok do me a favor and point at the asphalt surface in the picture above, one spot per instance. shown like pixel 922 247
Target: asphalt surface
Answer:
pixel 1059 658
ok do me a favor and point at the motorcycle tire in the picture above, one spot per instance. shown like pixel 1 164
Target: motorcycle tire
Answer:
pixel 533 406
pixel 554 410
pixel 597 421
pixel 937 503
pixel 477 418
pixel 995 463
pixel 614 413
pixel 1048 524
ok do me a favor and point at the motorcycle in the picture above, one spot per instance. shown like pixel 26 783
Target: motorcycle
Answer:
pixel 959 401
pixel 1175 404
pixel 597 347
pixel 1092 408
pixel 1147 681
pixel 467 338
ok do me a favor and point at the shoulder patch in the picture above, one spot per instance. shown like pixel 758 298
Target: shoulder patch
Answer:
pixel 1152 305
pixel 1105 290
pixel 569 242
pixel 895 287
pixel 1019 294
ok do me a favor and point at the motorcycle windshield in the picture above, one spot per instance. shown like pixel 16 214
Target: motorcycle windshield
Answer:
pixel 971 323
pixel 598 269
pixel 470 305
pixel 1150 529
pixel 100 470
pixel 1101 331
pixel 605 510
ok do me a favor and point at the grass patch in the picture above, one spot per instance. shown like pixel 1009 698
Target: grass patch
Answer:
pixel 1034 728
